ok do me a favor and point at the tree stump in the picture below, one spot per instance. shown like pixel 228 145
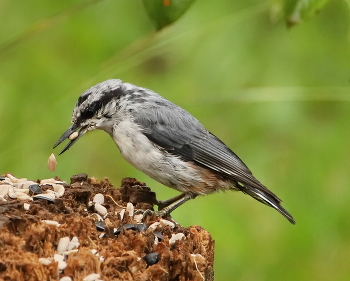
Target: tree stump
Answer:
pixel 70 236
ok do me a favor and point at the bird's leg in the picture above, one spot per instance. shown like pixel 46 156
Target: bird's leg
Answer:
pixel 164 203
pixel 171 204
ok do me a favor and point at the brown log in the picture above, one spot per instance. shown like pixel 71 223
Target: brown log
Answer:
pixel 124 248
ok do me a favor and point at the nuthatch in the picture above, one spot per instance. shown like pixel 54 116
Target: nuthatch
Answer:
pixel 165 142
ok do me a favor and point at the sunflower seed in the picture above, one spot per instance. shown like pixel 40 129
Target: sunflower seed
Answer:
pixel 49 197
pixel 50 222
pixel 158 234
pixel 100 226
pixel 130 209
pixel 141 227
pixel 100 209
pixel 4 189
pixel 175 237
pixel 35 189
pixel 73 136
pixel 59 189
pixel 167 223
pixel 99 198
pixel 66 278
pixel 44 261
pixel 151 258
pixel 92 277
pixel 62 245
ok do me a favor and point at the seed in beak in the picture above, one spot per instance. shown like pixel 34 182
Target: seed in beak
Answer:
pixel 73 136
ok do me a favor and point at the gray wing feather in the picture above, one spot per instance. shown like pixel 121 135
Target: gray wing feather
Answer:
pixel 177 131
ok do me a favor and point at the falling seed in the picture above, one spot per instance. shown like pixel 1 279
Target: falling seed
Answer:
pixel 51 163
pixel 151 258
pixel 73 136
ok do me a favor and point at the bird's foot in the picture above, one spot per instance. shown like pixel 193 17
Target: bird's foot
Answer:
pixel 148 212
pixel 167 206
pixel 162 204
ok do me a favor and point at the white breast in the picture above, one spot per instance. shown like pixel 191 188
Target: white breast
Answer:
pixel 147 157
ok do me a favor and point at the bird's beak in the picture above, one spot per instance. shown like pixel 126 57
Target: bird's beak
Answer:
pixel 66 135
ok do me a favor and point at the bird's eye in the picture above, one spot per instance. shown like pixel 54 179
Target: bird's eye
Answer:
pixel 87 114
pixel 90 111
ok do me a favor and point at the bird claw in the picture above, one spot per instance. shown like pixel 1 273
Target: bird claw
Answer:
pixel 149 212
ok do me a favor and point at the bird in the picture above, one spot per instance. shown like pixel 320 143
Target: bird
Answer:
pixel 165 142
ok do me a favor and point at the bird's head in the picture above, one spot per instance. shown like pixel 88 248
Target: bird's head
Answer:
pixel 94 109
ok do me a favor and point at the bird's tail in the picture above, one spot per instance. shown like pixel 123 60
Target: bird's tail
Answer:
pixel 268 199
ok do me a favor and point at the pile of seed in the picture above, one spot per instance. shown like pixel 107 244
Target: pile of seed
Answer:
pixel 89 230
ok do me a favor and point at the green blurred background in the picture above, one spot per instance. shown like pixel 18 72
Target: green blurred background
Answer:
pixel 278 97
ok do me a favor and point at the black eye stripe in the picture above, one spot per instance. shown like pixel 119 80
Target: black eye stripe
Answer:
pixel 82 99
pixel 92 109
pixel 89 112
